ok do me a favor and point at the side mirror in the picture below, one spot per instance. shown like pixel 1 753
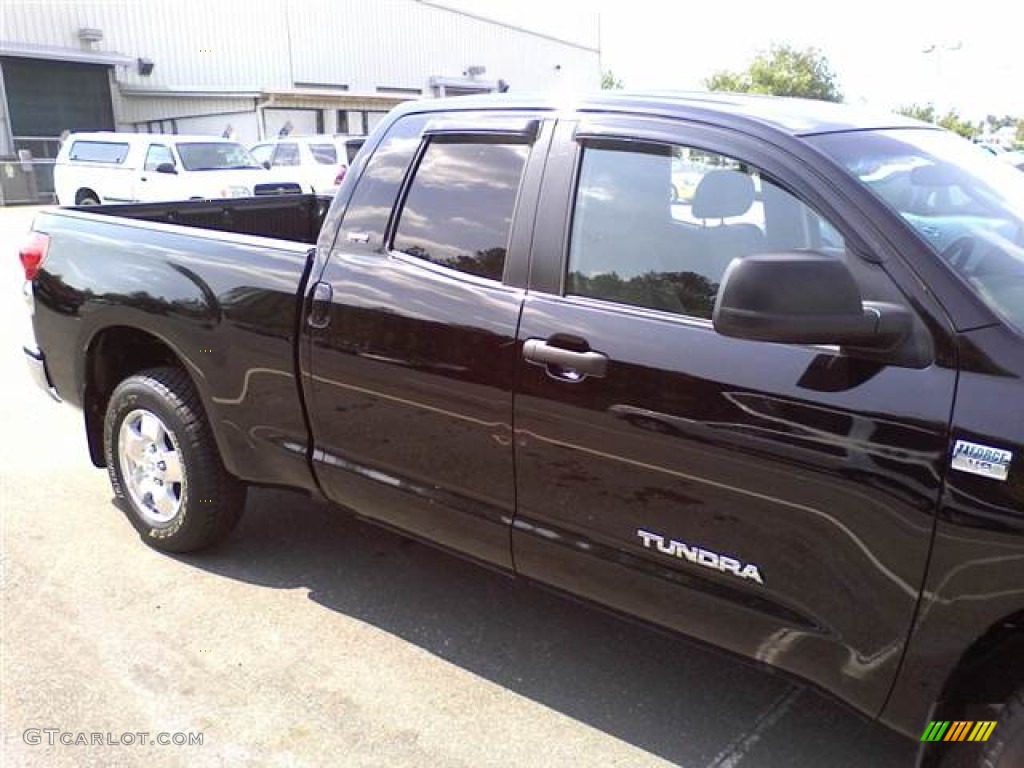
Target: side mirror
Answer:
pixel 166 168
pixel 266 164
pixel 803 298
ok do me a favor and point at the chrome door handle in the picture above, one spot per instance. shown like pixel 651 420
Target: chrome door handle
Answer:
pixel 565 363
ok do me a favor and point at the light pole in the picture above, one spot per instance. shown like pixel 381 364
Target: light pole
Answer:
pixel 939 50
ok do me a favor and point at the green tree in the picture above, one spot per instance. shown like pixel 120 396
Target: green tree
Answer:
pixel 783 71
pixel 951 121
pixel 610 82
pixel 922 112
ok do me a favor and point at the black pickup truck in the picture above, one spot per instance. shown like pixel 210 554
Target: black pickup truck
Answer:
pixel 746 368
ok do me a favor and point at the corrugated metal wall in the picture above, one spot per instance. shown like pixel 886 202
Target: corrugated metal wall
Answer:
pixel 226 43
pixel 272 44
pixel 141 109
pixel 400 43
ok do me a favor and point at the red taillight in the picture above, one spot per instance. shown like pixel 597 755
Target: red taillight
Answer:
pixel 341 175
pixel 33 253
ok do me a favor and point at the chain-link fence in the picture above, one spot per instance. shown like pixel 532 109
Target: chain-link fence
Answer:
pixel 24 180
pixel 26 176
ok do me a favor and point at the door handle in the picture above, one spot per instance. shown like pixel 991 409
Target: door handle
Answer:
pixel 320 309
pixel 144 179
pixel 565 364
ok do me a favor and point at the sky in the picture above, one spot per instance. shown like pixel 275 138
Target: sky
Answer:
pixel 875 47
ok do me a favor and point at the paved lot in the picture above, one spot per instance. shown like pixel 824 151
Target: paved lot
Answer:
pixel 312 639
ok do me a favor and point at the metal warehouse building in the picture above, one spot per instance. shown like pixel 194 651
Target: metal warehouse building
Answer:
pixel 251 68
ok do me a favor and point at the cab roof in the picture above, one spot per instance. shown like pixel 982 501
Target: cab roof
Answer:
pixel 796 117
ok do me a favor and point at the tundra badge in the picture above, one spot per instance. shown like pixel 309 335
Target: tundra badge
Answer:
pixel 700 556
pixel 981 460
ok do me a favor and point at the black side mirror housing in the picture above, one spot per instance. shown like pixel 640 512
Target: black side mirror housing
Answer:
pixel 166 168
pixel 803 298
pixel 266 164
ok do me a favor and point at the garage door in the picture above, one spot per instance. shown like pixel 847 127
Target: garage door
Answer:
pixel 45 98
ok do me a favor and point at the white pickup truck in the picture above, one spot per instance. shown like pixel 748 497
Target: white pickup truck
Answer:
pixel 106 167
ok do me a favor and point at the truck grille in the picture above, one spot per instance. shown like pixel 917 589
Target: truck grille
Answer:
pixel 278 189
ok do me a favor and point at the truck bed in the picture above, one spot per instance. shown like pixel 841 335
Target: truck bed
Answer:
pixel 284 217
pixel 218 283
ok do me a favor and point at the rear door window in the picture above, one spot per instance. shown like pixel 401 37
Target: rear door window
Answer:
pixel 459 209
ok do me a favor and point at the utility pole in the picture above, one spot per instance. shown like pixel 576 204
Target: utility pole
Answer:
pixel 939 50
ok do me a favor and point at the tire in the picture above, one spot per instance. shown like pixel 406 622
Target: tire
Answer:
pixel 163 463
pixel 1005 748
pixel 87 199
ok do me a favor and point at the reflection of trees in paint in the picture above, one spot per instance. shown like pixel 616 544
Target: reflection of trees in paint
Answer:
pixel 686 293
pixel 484 263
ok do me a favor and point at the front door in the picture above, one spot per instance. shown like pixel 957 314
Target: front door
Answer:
pixel 773 499
pixel 154 185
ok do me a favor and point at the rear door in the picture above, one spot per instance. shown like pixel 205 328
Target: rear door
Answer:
pixel 773 499
pixel 413 338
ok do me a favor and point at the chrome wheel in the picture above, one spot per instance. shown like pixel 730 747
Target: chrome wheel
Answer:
pixel 150 462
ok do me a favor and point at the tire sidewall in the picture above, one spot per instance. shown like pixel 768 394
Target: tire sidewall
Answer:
pixel 132 395
pixel 1006 749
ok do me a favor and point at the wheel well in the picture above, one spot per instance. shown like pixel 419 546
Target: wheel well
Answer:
pixel 989 671
pixel 114 355
pixel 985 674
pixel 83 193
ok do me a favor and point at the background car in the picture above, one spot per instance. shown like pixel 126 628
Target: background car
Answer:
pixel 1014 158
pixel 320 161
pixel 686 175
pixel 992 149
pixel 110 167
